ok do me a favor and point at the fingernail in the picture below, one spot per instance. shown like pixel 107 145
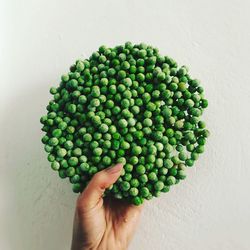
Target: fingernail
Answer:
pixel 114 169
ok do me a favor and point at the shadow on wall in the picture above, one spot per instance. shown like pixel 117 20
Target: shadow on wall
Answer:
pixel 39 206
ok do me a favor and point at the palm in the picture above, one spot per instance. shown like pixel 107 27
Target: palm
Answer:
pixel 121 219
pixel 111 219
pixel 103 223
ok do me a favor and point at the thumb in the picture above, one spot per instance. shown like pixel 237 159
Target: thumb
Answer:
pixel 96 187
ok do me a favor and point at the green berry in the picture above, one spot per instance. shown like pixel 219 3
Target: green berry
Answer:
pixel 73 161
pixel 171 180
pixel 61 152
pixel 144 192
pixel 137 201
pixel 136 150
pixel 133 191
pixel 152 176
pixel 159 185
pixel 70 171
pixel 125 186
pixel 130 105
pixel 55 165
pixel 140 169
pixel 84 167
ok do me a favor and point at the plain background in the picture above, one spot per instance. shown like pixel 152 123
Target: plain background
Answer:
pixel 40 39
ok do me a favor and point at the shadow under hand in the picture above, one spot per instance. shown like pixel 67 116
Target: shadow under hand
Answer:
pixel 38 205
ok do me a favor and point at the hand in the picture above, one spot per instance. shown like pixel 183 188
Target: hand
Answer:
pixel 103 223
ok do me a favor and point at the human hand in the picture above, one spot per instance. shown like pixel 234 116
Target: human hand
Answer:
pixel 103 223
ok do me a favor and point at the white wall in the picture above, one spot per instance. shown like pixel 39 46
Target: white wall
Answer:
pixel 40 39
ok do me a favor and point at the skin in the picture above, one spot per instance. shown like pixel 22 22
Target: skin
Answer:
pixel 103 223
